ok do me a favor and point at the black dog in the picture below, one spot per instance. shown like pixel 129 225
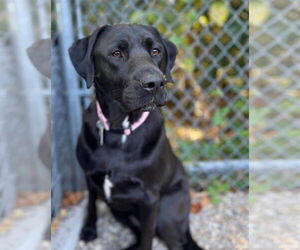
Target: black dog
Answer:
pixel 122 147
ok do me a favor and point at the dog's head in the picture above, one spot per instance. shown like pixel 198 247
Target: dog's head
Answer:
pixel 130 63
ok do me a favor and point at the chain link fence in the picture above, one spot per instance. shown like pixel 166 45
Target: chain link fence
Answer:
pixel 274 62
pixel 274 75
pixel 274 124
pixel 207 111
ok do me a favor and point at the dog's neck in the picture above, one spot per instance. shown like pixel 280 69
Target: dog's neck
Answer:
pixel 114 111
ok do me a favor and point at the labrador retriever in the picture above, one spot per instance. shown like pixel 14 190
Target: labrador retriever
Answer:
pixel 122 148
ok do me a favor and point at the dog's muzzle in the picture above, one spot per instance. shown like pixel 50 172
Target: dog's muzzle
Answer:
pixel 154 85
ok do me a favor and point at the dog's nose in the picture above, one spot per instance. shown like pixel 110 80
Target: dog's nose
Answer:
pixel 153 84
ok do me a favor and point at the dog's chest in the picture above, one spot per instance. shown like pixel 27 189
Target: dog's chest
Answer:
pixel 119 188
pixel 107 186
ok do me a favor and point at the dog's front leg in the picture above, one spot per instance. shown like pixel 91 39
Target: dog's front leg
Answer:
pixel 148 212
pixel 89 230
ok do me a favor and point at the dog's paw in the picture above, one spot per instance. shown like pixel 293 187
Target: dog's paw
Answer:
pixel 88 233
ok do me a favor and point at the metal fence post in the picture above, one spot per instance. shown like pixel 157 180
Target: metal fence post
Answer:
pixel 70 80
pixel 30 87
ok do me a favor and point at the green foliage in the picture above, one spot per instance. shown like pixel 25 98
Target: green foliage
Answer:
pixel 216 189
pixel 274 181
pixel 281 112
pixel 259 115
pixel 218 13
pixel 187 151
pixel 219 116
pixel 216 186
pixel 209 149
pixel 260 186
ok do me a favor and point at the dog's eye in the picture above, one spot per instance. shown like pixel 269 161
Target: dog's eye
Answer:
pixel 155 52
pixel 117 53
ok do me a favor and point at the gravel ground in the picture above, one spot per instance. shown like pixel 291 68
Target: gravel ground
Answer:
pixel 221 227
pixel 24 227
pixel 275 221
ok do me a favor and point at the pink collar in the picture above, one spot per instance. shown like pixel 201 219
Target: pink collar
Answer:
pixel 127 128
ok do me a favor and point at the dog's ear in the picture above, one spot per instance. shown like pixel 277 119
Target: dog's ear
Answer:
pixel 171 52
pixel 39 54
pixel 81 54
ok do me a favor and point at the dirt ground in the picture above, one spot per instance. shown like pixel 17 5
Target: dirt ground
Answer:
pixel 274 221
pixel 221 227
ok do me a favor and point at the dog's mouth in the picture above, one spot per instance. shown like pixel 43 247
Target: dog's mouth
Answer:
pixel 148 103
pixel 153 104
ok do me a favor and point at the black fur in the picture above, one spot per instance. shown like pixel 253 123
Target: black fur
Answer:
pixel 151 192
